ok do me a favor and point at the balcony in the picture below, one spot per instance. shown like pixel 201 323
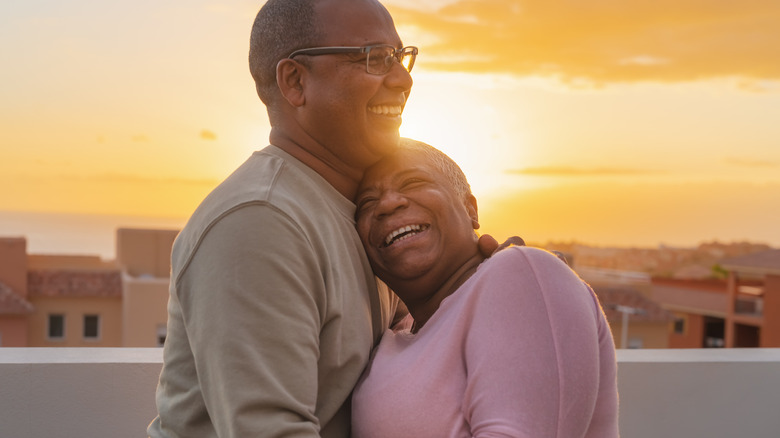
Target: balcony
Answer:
pixel 109 392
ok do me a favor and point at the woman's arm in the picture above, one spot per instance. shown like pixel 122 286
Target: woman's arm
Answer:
pixel 536 359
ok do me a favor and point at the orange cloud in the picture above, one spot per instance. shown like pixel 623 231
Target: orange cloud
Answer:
pixel 207 135
pixel 123 194
pixel 129 179
pixel 574 171
pixel 601 41
pixel 140 138
pixel 645 214
pixel 742 162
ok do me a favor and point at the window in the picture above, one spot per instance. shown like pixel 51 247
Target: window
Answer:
pixel 679 326
pixel 56 330
pixel 635 343
pixel 162 332
pixel 91 327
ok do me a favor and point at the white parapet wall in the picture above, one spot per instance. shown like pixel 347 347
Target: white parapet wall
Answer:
pixel 109 392
pixel 712 393
pixel 77 392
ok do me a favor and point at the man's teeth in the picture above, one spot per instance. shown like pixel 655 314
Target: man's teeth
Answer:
pixel 386 110
pixel 404 232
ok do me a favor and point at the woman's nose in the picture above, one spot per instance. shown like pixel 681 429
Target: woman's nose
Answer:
pixel 390 202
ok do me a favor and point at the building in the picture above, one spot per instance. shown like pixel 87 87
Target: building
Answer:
pixel 15 309
pixel 84 301
pixel 636 320
pixel 77 302
pixel 699 309
pixel 753 300
pixel 742 311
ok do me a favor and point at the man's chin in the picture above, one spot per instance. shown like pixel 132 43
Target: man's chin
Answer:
pixel 386 144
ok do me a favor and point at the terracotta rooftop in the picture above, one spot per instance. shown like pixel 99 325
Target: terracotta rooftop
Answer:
pixel 11 303
pixel 764 262
pixel 704 298
pixel 610 297
pixel 74 283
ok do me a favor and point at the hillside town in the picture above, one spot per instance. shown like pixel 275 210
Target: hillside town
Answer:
pixel 701 262
pixel 715 295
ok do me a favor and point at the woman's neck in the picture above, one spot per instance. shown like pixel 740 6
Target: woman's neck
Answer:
pixel 422 309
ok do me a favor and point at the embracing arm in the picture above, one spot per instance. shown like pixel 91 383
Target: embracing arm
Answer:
pixel 488 245
pixel 249 300
pixel 537 363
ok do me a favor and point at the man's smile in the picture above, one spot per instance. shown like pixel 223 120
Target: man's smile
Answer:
pixel 386 110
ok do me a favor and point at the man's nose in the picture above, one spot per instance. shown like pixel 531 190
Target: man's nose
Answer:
pixel 399 78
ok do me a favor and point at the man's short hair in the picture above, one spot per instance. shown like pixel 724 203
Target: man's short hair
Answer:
pixel 443 163
pixel 280 28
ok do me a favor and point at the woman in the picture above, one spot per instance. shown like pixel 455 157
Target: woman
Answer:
pixel 514 346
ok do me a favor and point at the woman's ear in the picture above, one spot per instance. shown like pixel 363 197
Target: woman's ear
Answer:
pixel 471 207
pixel 289 79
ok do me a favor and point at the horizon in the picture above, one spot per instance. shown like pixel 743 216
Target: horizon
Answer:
pixel 95 234
pixel 640 124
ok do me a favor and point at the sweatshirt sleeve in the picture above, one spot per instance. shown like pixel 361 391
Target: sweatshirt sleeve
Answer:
pixel 532 350
pixel 250 300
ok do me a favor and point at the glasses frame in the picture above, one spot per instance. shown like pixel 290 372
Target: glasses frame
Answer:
pixel 397 55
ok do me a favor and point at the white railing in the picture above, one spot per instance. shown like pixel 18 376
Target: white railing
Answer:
pixel 109 392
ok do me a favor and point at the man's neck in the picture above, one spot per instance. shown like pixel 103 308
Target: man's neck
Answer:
pixel 319 158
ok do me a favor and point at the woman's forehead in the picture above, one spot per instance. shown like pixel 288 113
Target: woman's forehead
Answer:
pixel 400 163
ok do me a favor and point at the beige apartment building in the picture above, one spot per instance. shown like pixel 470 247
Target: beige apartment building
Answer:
pixel 84 301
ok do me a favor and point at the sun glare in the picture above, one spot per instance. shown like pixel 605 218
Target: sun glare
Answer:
pixel 457 116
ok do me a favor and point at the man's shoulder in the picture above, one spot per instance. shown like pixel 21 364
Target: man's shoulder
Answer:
pixel 269 180
pixel 268 176
pixel 252 182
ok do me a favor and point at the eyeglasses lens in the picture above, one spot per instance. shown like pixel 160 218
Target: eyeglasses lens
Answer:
pixel 381 58
pixel 406 59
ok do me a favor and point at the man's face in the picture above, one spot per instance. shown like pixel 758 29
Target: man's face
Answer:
pixel 356 115
pixel 411 221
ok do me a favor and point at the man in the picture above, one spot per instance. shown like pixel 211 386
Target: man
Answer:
pixel 273 307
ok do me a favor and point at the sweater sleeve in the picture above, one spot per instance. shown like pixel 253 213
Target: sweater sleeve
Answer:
pixel 532 351
pixel 250 300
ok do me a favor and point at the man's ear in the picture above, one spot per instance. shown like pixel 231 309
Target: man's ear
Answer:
pixel 289 79
pixel 471 208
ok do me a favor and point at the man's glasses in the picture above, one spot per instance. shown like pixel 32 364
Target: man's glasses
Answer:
pixel 379 58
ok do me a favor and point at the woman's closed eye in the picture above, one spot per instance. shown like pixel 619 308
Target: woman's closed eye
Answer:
pixel 365 203
pixel 410 183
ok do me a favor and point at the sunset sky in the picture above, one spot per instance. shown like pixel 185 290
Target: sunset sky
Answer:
pixel 607 122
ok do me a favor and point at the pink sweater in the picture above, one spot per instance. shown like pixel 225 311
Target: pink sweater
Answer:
pixel 522 349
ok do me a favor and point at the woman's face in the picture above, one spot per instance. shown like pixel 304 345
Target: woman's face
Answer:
pixel 412 222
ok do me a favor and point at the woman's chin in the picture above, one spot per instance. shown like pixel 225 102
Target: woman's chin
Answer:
pixel 404 271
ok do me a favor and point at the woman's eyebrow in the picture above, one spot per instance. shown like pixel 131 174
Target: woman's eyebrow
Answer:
pixel 365 190
pixel 404 172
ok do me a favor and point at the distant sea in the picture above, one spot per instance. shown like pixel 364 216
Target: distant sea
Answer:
pixel 77 234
